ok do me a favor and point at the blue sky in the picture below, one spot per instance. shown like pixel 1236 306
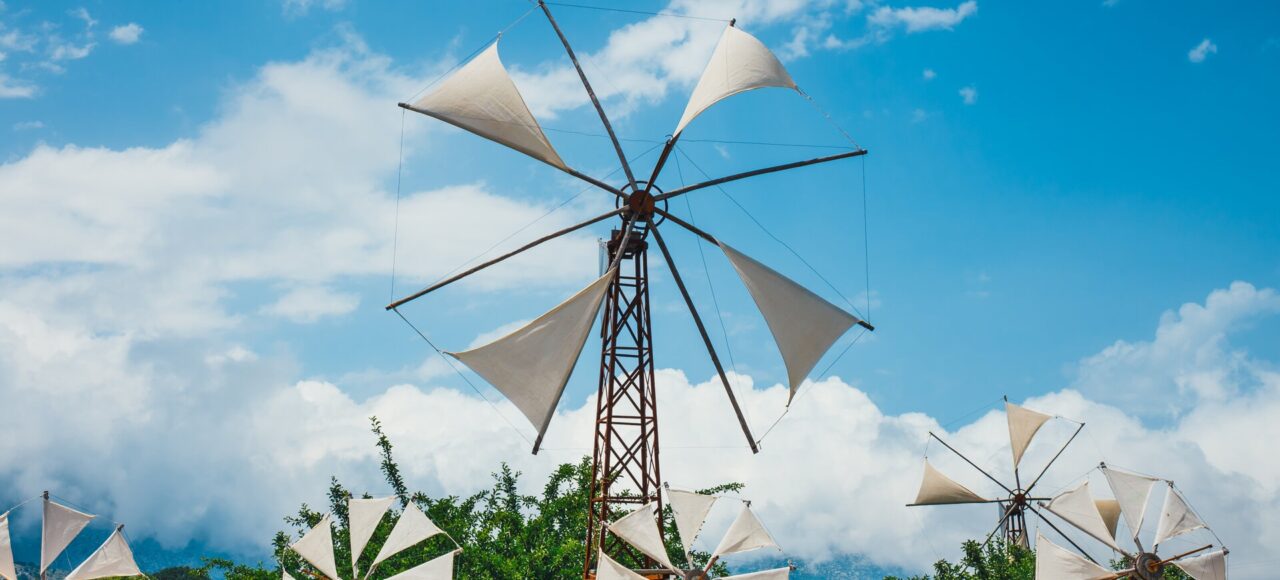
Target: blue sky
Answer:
pixel 1049 188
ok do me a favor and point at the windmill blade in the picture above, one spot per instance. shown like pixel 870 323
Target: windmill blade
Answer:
pixel 412 527
pixel 775 574
pixel 1109 509
pixel 938 489
pixel 532 365
pixel 111 560
pixel 609 569
pixel 1077 508
pixel 740 63
pixel 804 326
pixel 640 529
pixel 439 568
pixel 7 569
pixel 691 511
pixel 746 533
pixel 61 525
pixel 1176 517
pixel 1211 566
pixel 1132 491
pixel 1023 425
pixel 364 515
pixel 755 172
pixel 316 547
pixel 1053 562
pixel 481 98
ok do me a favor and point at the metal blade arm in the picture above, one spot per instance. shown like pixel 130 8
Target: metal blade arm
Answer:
pixel 1064 536
pixel 590 93
pixel 455 278
pixel 706 339
pixel 755 172
pixel 975 466
pixel 1055 458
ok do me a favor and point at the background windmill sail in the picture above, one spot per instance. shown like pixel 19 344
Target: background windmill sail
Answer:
pixel 610 569
pixel 690 510
pixel 412 527
pixel 7 569
pixel 640 529
pixel 363 516
pixel 112 559
pixel 1077 507
pixel 775 574
pixel 316 547
pixel 438 568
pixel 1053 562
pixel 1132 492
pixel 938 489
pixel 61 525
pixel 1211 566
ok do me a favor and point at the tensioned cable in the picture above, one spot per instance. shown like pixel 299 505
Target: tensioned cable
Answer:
pixel 395 239
pixel 461 374
pixel 468 58
pixel 802 393
pixel 775 238
pixel 627 11
pixel 866 238
pixel 827 116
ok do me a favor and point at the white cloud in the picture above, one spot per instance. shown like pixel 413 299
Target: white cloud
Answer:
pixel 302 7
pixel 1202 51
pixel 83 14
pixel 28 125
pixel 922 18
pixel 126 33
pixel 309 304
pixel 11 88
pixel 969 95
pixel 928 74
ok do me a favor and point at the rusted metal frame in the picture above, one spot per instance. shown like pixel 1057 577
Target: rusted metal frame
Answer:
pixel 706 339
pixel 755 172
pixel 530 245
pixel 1055 458
pixel 1064 536
pixel 590 93
pixel 598 502
pixel 975 466
pixel 1003 519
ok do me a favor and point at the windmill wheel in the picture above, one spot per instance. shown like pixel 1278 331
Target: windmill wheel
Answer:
pixel 1149 567
pixel 641 201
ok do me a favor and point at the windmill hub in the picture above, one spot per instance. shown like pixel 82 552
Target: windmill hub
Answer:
pixel 641 202
pixel 1149 566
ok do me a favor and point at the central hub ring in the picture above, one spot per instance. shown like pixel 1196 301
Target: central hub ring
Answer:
pixel 641 201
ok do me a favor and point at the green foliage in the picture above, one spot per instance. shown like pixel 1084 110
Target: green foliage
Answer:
pixel 504 534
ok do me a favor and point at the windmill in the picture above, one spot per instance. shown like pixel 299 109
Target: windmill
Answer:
pixel 531 365
pixel 938 489
pixel 60 525
pixel 1132 492
pixel 363 515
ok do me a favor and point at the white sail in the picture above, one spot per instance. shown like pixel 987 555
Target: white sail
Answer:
pixel 691 511
pixel 531 366
pixel 1053 562
pixel 364 515
pixel 1176 517
pixel 1132 491
pixel 112 559
pixel 740 63
pixel 640 529
pixel 439 568
pixel 1077 507
pixel 285 574
pixel 1211 566
pixel 609 569
pixel 316 547
pixel 412 527
pixel 7 569
pixel 481 98
pixel 61 524
pixel 775 574
pixel 1109 509
pixel 803 325
pixel 1023 424
pixel 938 489
pixel 746 533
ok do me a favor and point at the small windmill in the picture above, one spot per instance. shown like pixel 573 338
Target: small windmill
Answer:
pixel 531 365
pixel 639 529
pixel 1132 493
pixel 938 489
pixel 363 515
pixel 60 525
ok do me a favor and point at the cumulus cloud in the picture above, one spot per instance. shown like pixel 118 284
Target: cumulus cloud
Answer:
pixel 928 74
pixel 1202 51
pixel 11 88
pixel 302 7
pixel 922 18
pixel 126 33
pixel 969 94
pixel 309 304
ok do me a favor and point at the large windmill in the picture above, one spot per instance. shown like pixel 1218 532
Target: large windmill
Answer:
pixel 938 489
pixel 531 365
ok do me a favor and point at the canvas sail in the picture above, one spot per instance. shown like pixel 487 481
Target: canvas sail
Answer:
pixel 1109 509
pixel 1023 424
pixel 316 547
pixel 61 524
pixel 609 569
pixel 1077 507
pixel 803 325
pixel 7 569
pixel 740 63
pixel 481 98
pixel 412 527
pixel 746 533
pixel 1176 517
pixel 1053 562
pixel 531 366
pixel 640 529
pixel 1211 566
pixel 112 559
pixel 775 574
pixel 938 489
pixel 691 511
pixel 440 568
pixel 364 515
pixel 1132 491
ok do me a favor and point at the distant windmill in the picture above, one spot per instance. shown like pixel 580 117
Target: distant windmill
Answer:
pixel 938 489
pixel 59 526
pixel 531 366
pixel 1132 492
pixel 363 515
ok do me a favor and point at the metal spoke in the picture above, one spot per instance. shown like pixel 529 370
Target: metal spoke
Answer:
pixel 546 238
pixel 1055 458
pixel 706 339
pixel 1064 536
pixel 1003 519
pixel 755 172
pixel 975 466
